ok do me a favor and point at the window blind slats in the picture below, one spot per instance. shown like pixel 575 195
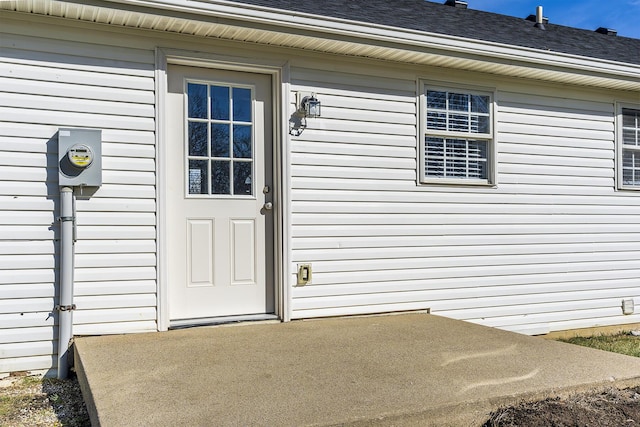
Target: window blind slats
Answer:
pixel 448 115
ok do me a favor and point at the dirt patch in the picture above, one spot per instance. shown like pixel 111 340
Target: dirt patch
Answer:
pixel 34 401
pixel 37 402
pixel 611 408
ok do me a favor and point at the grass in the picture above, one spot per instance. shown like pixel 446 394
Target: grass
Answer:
pixel 11 403
pixel 15 400
pixel 10 406
pixel 34 401
pixel 623 343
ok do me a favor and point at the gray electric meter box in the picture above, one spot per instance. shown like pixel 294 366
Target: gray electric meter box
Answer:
pixel 79 157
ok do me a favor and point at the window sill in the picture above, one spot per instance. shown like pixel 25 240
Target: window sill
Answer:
pixel 629 188
pixel 458 182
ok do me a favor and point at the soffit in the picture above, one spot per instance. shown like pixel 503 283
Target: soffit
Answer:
pixel 225 20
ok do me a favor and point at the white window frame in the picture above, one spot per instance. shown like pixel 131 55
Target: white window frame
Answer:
pixel 621 148
pixel 488 137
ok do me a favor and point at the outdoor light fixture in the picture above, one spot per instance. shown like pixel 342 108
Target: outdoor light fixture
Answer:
pixel 308 106
pixel 311 106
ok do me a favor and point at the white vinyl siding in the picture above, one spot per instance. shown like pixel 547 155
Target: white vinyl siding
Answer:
pixel 552 247
pixel 46 84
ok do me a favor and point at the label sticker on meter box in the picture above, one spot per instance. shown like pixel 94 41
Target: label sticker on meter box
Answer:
pixel 80 156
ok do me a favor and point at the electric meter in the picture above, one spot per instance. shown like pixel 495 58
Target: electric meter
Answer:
pixel 80 156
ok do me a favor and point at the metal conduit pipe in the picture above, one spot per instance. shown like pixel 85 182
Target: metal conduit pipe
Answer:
pixel 65 307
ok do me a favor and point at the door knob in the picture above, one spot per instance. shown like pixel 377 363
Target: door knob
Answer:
pixel 268 206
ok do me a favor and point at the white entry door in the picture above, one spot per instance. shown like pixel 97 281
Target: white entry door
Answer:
pixel 219 193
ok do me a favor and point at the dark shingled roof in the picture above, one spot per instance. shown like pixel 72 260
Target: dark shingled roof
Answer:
pixel 439 18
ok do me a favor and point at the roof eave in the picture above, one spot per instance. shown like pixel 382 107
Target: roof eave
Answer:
pixel 235 21
pixel 593 72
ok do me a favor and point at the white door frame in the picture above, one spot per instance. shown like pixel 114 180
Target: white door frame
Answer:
pixel 279 73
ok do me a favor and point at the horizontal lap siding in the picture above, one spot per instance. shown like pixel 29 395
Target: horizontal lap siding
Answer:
pixel 46 84
pixel 568 146
pixel 552 246
pixel 362 148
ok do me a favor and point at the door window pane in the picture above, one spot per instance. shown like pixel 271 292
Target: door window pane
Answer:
pixel 242 179
pixel 220 102
pixel 241 104
pixel 197 101
pixel 198 139
pixel 242 141
pixel 220 140
pixel 220 177
pixel 198 183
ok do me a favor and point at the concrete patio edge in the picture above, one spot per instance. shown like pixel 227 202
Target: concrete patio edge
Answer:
pixel 412 369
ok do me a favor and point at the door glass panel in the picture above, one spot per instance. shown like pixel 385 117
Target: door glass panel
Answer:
pixel 220 177
pixel 242 143
pixel 242 181
pixel 219 131
pixel 219 140
pixel 197 105
pixel 241 104
pixel 198 139
pixel 220 102
pixel 198 183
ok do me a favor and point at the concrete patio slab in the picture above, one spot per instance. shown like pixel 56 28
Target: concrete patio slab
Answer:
pixel 408 369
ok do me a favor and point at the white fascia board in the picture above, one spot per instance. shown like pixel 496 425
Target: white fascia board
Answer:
pixel 348 29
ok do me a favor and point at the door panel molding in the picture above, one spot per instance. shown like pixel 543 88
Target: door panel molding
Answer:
pixel 201 251
pixel 243 251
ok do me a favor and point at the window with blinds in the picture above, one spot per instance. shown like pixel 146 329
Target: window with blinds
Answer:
pixel 456 136
pixel 630 140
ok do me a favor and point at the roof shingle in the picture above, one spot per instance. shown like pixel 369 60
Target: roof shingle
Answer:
pixel 439 18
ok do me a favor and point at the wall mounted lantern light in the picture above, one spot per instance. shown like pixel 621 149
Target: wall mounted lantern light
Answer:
pixel 311 106
pixel 308 106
